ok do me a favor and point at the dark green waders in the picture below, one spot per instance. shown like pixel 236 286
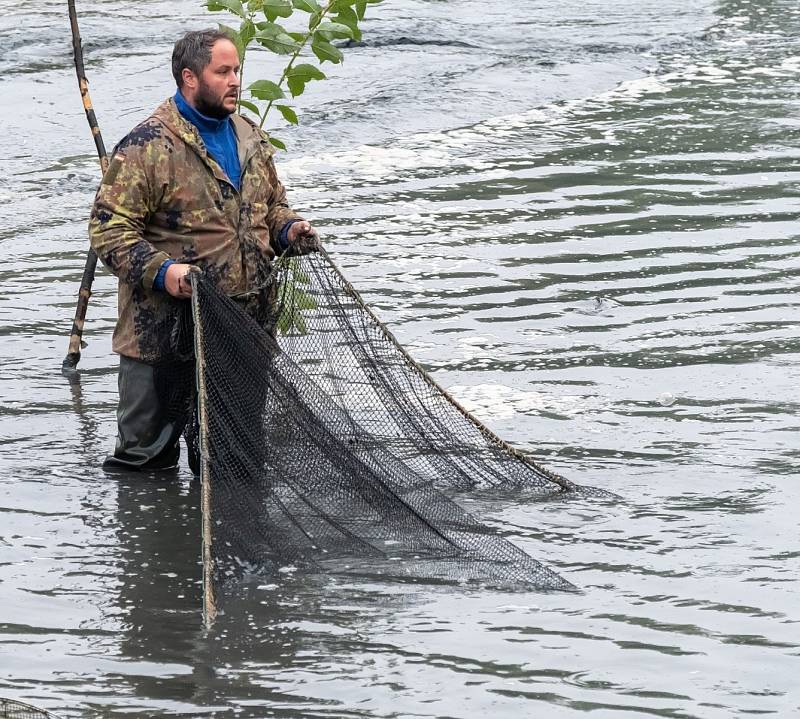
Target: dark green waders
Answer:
pixel 156 406
pixel 157 402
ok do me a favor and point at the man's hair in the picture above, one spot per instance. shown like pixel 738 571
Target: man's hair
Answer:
pixel 193 51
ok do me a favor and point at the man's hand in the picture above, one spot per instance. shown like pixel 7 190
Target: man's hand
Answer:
pixel 176 281
pixel 303 238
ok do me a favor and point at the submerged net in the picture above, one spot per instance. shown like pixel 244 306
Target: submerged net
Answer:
pixel 11 709
pixel 325 446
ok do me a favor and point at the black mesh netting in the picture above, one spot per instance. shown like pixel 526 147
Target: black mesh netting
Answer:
pixel 325 446
pixel 10 709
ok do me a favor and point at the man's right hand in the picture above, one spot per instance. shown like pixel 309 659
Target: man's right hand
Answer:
pixel 303 239
pixel 176 281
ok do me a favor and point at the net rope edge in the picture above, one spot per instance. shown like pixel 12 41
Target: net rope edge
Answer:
pixel 565 484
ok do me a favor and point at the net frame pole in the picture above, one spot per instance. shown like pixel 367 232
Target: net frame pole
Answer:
pixel 209 596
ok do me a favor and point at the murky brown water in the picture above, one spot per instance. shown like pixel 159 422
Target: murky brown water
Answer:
pixel 583 218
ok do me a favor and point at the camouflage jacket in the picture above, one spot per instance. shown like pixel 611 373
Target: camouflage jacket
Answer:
pixel 163 197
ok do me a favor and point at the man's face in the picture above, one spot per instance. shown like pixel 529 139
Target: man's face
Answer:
pixel 217 87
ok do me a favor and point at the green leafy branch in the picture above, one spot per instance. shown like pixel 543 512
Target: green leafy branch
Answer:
pixel 334 20
pixel 293 299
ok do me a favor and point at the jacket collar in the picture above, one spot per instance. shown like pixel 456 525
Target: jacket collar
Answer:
pixel 249 137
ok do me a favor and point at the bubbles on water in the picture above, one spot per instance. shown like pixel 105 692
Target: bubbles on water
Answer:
pixel 666 399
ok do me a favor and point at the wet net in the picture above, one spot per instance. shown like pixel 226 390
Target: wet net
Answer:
pixel 325 446
pixel 10 709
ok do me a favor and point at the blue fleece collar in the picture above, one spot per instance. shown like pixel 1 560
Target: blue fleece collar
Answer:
pixel 202 122
pixel 218 136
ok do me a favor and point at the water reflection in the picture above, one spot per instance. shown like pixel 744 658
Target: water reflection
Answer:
pixel 268 624
pixel 89 430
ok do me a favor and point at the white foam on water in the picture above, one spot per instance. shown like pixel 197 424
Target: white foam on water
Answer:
pixel 493 402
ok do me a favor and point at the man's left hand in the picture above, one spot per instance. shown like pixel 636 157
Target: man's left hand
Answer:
pixel 303 238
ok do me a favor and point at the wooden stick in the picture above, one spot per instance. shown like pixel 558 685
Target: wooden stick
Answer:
pixel 209 597
pixel 70 363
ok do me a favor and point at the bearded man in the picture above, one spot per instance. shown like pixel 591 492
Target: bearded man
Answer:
pixel 193 187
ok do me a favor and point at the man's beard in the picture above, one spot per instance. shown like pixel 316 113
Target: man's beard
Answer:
pixel 209 104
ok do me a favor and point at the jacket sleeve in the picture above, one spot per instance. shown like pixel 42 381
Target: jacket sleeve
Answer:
pixel 279 212
pixel 122 207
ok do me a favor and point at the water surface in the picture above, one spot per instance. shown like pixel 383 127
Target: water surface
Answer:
pixel 582 218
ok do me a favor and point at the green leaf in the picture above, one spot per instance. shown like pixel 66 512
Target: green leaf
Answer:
pixel 307 5
pixel 299 323
pixel 278 143
pixel 241 38
pixel 247 105
pixel 347 16
pixel 266 90
pixel 277 41
pixel 306 72
pixel 361 7
pixel 325 51
pixel 331 30
pixel 299 75
pixel 304 301
pixel 297 36
pixel 254 5
pixel 235 37
pixel 339 5
pixel 284 321
pixel 235 6
pixel 247 32
pixel 288 114
pixel 296 86
pixel 271 28
pixel 277 8
pixel 300 277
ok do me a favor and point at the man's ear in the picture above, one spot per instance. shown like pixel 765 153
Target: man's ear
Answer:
pixel 189 78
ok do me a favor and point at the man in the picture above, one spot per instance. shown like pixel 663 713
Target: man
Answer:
pixel 193 187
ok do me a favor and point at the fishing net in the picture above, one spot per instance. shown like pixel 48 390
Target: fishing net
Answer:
pixel 10 709
pixel 324 445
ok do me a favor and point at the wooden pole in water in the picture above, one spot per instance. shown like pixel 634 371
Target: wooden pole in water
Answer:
pixel 209 598
pixel 70 363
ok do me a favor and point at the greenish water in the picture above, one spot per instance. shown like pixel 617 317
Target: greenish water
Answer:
pixel 582 217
